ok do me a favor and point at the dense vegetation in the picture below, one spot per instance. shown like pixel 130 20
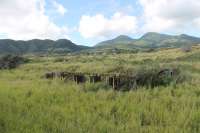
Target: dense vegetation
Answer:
pixel 11 62
pixel 32 104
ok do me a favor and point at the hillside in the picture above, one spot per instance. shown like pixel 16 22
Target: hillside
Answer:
pixel 150 40
pixel 36 46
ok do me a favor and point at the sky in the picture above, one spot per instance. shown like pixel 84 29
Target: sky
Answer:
pixel 87 22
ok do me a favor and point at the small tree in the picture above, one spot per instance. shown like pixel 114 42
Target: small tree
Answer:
pixel 11 61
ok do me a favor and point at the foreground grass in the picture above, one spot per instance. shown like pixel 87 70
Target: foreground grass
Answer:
pixel 29 103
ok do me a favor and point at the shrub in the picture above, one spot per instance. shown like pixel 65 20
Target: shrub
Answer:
pixel 10 61
pixel 157 77
pixel 59 60
pixel 186 48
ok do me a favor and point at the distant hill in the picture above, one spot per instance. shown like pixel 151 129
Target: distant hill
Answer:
pixel 121 43
pixel 149 40
pixel 122 39
pixel 37 46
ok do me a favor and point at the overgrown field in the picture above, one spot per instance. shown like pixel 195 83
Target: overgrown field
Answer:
pixel 32 104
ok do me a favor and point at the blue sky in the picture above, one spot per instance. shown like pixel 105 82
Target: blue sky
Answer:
pixel 75 10
pixel 87 22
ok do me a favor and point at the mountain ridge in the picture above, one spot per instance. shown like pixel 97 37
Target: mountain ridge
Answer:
pixel 37 46
pixel 151 40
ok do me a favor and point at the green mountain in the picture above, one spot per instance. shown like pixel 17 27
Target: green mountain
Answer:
pixel 150 40
pixel 37 46
pixel 122 43
pixel 122 39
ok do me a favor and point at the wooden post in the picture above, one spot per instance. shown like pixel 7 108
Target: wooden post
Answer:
pixel 91 79
pixel 116 82
pixel 113 80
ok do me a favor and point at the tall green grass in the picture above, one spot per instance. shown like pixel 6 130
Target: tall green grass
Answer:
pixel 31 104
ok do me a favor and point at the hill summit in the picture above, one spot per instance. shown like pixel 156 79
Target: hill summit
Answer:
pixel 122 39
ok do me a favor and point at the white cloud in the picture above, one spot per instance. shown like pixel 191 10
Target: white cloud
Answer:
pixel 59 8
pixel 22 19
pixel 170 15
pixel 100 26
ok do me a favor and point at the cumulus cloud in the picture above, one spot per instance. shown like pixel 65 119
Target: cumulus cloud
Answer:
pixel 22 19
pixel 100 26
pixel 170 15
pixel 59 8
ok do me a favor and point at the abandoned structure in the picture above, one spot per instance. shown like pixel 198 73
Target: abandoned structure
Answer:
pixel 95 78
pixel 118 81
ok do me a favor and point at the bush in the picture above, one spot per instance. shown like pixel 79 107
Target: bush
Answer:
pixel 157 77
pixel 11 62
pixel 186 48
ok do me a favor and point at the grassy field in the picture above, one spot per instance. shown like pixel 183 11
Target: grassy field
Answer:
pixel 32 104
